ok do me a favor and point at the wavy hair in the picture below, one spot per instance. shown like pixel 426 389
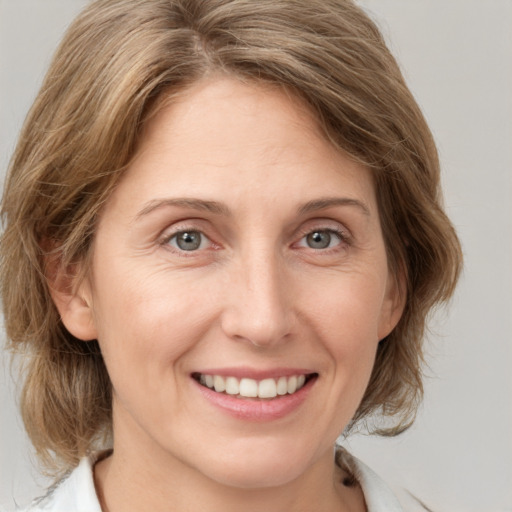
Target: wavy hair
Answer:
pixel 116 59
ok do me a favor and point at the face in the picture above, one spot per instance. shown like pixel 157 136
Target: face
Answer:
pixel 238 288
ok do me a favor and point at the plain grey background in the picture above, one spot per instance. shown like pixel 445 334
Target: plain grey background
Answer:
pixel 457 58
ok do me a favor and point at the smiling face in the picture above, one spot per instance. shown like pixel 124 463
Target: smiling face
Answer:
pixel 238 289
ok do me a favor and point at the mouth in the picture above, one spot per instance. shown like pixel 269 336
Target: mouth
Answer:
pixel 243 388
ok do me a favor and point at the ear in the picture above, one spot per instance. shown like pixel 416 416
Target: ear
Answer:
pixel 393 304
pixel 72 298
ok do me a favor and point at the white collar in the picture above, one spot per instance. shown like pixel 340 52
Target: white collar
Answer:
pixel 377 494
pixel 76 492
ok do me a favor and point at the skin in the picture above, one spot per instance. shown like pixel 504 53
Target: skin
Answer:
pixel 255 294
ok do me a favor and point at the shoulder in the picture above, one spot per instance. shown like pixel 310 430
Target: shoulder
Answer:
pixel 74 493
pixel 377 494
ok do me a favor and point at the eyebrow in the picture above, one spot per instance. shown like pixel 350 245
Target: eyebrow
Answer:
pixel 221 209
pixel 189 203
pixel 329 202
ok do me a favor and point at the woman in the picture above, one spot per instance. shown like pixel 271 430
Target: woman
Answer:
pixel 223 234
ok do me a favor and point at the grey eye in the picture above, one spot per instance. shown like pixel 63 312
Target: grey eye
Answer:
pixel 187 240
pixel 322 239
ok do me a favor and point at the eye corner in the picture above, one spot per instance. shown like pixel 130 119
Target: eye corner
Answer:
pixel 323 239
pixel 187 241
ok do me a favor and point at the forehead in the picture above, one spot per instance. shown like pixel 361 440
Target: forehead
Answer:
pixel 224 138
pixel 216 104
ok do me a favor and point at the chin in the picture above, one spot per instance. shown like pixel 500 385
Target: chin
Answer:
pixel 257 475
pixel 260 465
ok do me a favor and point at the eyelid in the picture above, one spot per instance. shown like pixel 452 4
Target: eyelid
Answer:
pixel 204 240
pixel 183 226
pixel 325 225
pixel 341 239
pixel 307 228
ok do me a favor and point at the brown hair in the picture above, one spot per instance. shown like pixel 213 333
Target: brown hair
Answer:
pixel 116 59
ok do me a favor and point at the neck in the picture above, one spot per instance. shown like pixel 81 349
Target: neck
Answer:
pixel 142 474
pixel 138 484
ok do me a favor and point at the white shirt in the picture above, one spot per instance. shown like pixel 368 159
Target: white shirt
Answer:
pixel 76 493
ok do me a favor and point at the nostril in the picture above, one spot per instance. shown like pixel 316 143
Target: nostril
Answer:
pixel 259 309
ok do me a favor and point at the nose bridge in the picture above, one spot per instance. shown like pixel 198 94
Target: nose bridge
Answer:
pixel 260 307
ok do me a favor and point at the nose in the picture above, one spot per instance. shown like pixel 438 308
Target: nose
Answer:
pixel 259 308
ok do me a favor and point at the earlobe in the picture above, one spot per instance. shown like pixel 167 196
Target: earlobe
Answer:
pixel 393 305
pixel 76 315
pixel 74 303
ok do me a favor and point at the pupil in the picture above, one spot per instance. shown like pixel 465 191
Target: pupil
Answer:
pixel 189 240
pixel 319 240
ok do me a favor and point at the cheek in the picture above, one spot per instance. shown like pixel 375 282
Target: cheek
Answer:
pixel 346 318
pixel 147 322
pixel 349 307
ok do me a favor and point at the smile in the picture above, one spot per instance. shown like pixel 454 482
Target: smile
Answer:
pixel 251 388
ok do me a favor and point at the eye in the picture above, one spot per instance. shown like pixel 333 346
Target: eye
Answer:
pixel 189 240
pixel 321 239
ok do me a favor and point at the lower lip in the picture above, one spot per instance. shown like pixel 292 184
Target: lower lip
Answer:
pixel 252 409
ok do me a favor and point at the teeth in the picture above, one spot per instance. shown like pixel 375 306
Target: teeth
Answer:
pixel 232 386
pixel 219 384
pixel 208 380
pixel 282 386
pixel 292 385
pixel 267 388
pixel 250 388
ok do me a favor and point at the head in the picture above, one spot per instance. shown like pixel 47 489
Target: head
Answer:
pixel 123 62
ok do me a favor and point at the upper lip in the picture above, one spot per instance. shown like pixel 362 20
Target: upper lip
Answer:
pixel 256 374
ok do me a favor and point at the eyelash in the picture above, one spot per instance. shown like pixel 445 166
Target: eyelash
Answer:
pixel 166 241
pixel 342 235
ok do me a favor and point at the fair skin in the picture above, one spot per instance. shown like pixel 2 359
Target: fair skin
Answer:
pixel 238 244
